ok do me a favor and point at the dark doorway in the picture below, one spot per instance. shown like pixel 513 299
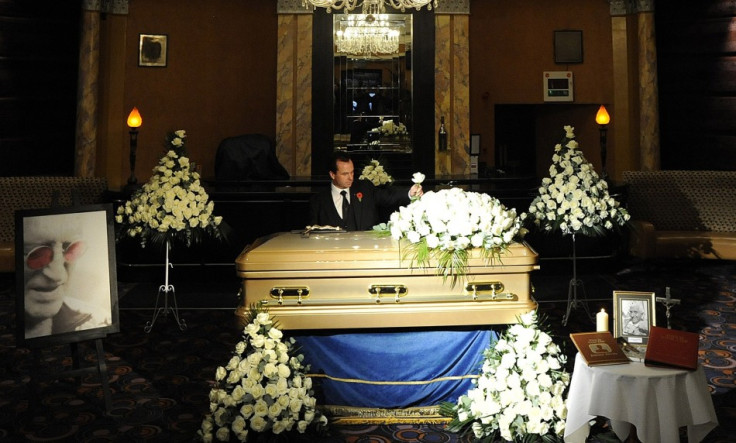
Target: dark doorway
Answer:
pixel 515 139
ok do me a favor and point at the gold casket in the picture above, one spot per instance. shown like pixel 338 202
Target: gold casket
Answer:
pixel 347 280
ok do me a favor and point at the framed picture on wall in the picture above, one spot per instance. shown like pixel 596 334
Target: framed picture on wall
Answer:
pixel 66 280
pixel 633 315
pixel 568 47
pixel 153 50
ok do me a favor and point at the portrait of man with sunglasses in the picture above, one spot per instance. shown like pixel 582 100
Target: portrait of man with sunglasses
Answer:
pixel 52 248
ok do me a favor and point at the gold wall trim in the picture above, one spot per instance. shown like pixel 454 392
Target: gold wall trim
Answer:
pixel 106 6
pixel 292 7
pixel 453 7
pixel 627 7
pixel 620 7
pixel 644 5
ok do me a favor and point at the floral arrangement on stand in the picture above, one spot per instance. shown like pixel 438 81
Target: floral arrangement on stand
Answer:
pixel 172 205
pixel 375 173
pixel 447 224
pixel 574 199
pixel 519 394
pixel 262 394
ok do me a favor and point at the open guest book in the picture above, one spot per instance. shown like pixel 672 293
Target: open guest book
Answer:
pixel 672 348
pixel 599 348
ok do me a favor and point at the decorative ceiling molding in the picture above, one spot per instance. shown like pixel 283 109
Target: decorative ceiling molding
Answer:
pixel 443 7
pixel 626 7
pixel 644 5
pixel 106 6
pixel 292 7
pixel 452 7
pixel 620 7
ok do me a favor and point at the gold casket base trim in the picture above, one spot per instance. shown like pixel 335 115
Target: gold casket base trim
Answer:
pixel 352 415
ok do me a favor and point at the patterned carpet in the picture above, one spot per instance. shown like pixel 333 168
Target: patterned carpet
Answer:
pixel 159 381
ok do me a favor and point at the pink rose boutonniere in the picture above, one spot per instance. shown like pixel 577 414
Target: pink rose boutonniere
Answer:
pixel 360 196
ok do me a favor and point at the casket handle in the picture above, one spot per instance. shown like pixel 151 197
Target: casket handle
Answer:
pixel 388 290
pixel 282 292
pixel 494 287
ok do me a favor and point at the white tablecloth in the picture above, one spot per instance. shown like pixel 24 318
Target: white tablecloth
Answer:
pixel 657 401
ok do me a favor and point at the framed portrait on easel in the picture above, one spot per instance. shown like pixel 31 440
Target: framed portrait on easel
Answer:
pixel 65 275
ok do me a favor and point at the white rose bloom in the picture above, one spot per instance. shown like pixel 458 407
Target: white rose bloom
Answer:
pixel 258 423
pixel 301 426
pixel 274 410
pixel 263 318
pixel 220 373
pixel 258 341
pixel 247 410
pixel 257 391
pixel 222 434
pixel 270 370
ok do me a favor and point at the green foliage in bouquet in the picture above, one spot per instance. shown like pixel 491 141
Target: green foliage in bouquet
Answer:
pixel 262 394
pixel 574 199
pixel 172 206
pixel 519 395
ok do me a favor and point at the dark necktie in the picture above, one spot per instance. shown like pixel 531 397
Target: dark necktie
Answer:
pixel 345 204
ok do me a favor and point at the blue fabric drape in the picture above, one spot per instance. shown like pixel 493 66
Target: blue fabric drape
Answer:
pixel 394 369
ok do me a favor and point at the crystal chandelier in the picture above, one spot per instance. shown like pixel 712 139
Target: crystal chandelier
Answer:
pixel 369 6
pixel 366 35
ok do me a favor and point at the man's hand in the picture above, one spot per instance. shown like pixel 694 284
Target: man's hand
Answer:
pixel 416 191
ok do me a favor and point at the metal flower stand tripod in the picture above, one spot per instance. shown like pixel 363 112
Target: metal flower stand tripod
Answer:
pixel 165 290
pixel 572 291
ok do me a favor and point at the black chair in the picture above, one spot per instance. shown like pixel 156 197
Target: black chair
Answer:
pixel 248 157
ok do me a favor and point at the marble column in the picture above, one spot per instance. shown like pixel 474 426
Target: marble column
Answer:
pixel 85 151
pixel 294 87
pixel 452 85
pixel 648 91
pixel 89 60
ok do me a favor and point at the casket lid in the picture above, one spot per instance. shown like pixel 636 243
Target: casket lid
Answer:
pixel 349 250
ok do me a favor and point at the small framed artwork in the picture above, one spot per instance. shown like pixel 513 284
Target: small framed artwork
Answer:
pixel 65 279
pixel 568 47
pixel 633 315
pixel 474 144
pixel 152 50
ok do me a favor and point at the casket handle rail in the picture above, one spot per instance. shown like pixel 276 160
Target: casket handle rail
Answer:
pixel 476 289
pixel 291 292
pixel 388 290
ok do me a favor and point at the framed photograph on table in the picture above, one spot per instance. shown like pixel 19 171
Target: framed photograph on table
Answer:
pixel 633 315
pixel 66 280
pixel 153 50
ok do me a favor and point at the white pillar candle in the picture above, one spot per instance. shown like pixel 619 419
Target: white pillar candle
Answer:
pixel 601 321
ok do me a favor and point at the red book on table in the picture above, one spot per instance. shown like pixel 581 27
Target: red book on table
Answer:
pixel 672 348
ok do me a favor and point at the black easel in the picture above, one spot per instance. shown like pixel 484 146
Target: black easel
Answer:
pixel 77 371
pixel 100 368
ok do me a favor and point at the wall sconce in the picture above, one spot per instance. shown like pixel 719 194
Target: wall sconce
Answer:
pixel 603 119
pixel 134 122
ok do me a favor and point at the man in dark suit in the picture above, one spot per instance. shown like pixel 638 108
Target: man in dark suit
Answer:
pixel 353 204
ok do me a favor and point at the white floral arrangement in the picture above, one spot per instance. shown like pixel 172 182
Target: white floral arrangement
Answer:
pixel 446 224
pixel 520 392
pixel 389 128
pixel 172 204
pixel 574 199
pixel 375 173
pixel 262 390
